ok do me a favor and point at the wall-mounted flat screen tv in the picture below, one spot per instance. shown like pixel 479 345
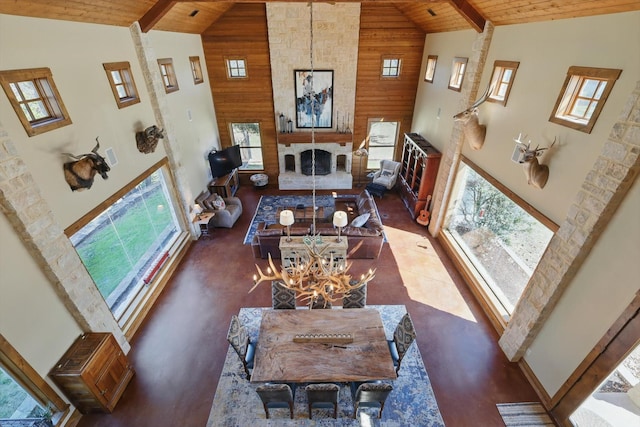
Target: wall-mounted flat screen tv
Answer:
pixel 223 162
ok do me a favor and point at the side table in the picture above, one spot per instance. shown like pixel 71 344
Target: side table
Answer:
pixel 202 221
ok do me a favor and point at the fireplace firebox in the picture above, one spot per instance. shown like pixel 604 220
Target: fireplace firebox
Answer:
pixel 323 162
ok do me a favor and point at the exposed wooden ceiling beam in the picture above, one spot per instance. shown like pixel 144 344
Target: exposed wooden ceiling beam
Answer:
pixel 468 12
pixel 315 1
pixel 153 15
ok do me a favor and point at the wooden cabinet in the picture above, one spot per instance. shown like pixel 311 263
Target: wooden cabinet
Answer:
pixel 93 373
pixel 225 186
pixel 420 162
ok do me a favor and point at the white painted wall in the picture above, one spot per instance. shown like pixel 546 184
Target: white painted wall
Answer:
pixel 32 317
pixel 609 278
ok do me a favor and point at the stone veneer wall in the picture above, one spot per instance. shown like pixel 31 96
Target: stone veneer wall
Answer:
pixel 602 192
pixel 335 47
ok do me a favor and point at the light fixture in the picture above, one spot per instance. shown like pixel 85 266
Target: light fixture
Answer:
pixel 315 273
pixel 340 220
pixel 197 209
pixel 286 219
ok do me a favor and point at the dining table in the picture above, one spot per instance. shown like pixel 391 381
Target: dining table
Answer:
pixel 322 345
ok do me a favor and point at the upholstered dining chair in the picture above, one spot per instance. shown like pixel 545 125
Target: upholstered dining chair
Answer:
pixel 403 337
pixel 370 395
pixel 320 302
pixel 276 396
pixel 357 298
pixel 282 297
pixel 323 396
pixel 238 337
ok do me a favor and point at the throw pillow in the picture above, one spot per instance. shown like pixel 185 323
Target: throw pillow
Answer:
pixel 359 221
pixel 218 203
pixel 386 172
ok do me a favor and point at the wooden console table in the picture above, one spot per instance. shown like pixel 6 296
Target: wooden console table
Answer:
pixel 225 186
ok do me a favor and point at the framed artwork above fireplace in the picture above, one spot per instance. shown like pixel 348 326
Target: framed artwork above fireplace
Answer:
pixel 308 86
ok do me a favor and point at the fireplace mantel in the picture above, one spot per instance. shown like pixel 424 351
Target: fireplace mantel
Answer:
pixel 320 137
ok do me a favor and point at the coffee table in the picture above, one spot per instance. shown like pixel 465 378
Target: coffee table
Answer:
pixel 303 214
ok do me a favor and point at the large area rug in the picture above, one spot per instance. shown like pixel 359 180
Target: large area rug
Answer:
pixel 411 403
pixel 268 206
pixel 527 414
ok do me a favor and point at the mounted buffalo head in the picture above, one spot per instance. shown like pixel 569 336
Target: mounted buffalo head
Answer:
pixel 147 140
pixel 79 174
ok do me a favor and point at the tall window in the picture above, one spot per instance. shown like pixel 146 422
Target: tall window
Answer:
pixel 35 99
pixel 236 68
pixel 382 141
pixel 122 84
pixel 391 67
pixel 196 69
pixel 504 72
pixel 247 136
pixel 168 75
pixel 582 97
pixel 125 245
pixel 458 69
pixel 498 241
pixel 430 72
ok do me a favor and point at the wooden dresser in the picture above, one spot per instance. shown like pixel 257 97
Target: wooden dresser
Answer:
pixel 420 163
pixel 93 373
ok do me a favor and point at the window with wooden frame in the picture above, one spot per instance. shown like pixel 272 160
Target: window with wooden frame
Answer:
pixel 391 67
pixel 583 95
pixel 35 99
pixel 432 60
pixel 196 69
pixel 168 75
pixel 122 84
pixel 26 389
pixel 236 68
pixel 504 73
pixel 458 69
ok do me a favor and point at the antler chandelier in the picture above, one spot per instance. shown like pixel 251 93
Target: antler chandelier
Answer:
pixel 314 275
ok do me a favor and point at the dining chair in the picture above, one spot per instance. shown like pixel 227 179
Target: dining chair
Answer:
pixel 319 302
pixel 370 395
pixel 403 337
pixel 238 337
pixel 357 298
pixel 282 297
pixel 276 396
pixel 323 396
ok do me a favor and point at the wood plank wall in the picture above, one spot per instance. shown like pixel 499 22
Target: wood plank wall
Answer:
pixel 242 32
pixel 385 31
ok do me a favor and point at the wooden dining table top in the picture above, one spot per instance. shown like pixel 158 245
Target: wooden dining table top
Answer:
pixel 279 359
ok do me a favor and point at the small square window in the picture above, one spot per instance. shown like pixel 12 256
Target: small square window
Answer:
pixel 432 60
pixel 35 99
pixel 196 69
pixel 122 84
pixel 391 67
pixel 458 69
pixel 236 68
pixel 504 72
pixel 168 75
pixel 583 95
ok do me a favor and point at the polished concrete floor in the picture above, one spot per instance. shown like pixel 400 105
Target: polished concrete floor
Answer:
pixel 179 351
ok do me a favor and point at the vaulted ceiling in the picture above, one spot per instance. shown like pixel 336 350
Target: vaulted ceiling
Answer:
pixel 432 16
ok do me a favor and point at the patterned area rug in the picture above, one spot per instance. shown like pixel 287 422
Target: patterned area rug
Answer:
pixel 527 414
pixel 268 205
pixel 411 403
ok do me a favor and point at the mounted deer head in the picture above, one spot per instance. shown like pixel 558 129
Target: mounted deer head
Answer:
pixel 474 132
pixel 147 140
pixel 537 174
pixel 79 174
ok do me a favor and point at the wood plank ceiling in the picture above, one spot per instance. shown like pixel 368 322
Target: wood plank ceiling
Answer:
pixel 432 16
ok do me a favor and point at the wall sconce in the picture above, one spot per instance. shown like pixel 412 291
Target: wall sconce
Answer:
pixel 286 219
pixel 197 209
pixel 340 220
